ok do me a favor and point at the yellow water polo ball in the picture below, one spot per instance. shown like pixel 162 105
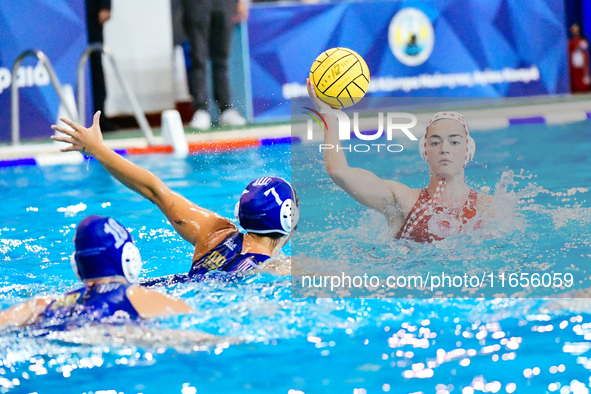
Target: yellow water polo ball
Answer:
pixel 340 77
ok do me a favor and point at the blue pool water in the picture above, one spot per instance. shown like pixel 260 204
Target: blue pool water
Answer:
pixel 267 341
pixel 539 177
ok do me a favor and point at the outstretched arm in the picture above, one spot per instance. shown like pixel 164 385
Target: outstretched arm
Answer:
pixel 363 185
pixel 24 313
pixel 149 303
pixel 195 224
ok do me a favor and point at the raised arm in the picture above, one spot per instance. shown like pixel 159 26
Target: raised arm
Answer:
pixel 149 303
pixel 363 185
pixel 195 224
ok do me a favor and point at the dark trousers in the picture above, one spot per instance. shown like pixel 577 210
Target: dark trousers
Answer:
pixel 95 34
pixel 99 91
pixel 208 26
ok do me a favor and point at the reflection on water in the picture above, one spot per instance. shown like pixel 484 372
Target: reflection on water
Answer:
pixel 252 334
pixel 450 345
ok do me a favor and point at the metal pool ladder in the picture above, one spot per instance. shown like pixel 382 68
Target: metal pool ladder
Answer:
pixel 137 111
pixel 57 86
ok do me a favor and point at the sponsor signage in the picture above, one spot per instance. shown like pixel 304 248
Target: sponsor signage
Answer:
pixel 468 48
pixel 57 28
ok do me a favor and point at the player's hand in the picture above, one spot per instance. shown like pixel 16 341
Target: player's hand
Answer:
pixel 103 16
pixel 82 139
pixel 320 105
pixel 242 12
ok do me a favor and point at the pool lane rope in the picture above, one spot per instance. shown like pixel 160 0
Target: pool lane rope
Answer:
pixel 74 158
pixel 228 145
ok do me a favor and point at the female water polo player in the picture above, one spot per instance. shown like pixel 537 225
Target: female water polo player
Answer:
pixel 108 263
pixel 444 207
pixel 267 209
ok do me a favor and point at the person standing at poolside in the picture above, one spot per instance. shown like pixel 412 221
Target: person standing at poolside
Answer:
pixel 578 53
pixel 442 208
pixel 267 210
pixel 98 12
pixel 208 24
pixel 108 263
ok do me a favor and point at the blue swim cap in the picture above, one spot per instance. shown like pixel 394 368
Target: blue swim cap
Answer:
pixel 268 205
pixel 105 248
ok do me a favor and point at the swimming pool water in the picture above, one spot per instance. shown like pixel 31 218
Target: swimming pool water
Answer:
pixel 268 341
pixel 539 177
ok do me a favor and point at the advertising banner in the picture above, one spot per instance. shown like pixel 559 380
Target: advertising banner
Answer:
pixel 57 28
pixel 448 48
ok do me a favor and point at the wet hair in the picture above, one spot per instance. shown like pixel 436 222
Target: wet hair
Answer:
pixel 273 235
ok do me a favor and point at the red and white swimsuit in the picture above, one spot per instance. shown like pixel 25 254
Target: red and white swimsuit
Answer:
pixel 428 222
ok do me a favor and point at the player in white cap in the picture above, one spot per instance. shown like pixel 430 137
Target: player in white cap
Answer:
pixel 443 208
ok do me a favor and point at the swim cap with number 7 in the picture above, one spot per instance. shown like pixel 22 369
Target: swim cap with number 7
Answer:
pixel 268 205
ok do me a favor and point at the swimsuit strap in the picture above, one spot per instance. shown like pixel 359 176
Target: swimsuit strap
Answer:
pixel 469 210
pixel 426 204
pixel 473 197
pixel 423 207
pixel 83 298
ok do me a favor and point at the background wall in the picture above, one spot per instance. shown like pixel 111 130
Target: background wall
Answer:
pixel 579 11
pixel 279 44
pixel 140 36
pixel 480 48
pixel 57 28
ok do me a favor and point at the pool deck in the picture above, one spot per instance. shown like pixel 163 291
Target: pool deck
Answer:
pixel 548 110
pixel 133 139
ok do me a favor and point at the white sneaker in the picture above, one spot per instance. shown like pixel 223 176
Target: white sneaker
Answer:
pixel 201 120
pixel 231 117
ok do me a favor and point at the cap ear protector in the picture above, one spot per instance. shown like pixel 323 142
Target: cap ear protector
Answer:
pixel 289 215
pixel 290 211
pixel 237 208
pixel 267 206
pixel 105 248
pixel 470 144
pixel 75 266
pixel 131 261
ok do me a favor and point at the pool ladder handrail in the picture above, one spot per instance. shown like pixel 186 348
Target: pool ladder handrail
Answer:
pixel 14 95
pixel 57 87
pixel 137 111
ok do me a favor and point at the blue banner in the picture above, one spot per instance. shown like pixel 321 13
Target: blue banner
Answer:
pixel 56 27
pixel 444 48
